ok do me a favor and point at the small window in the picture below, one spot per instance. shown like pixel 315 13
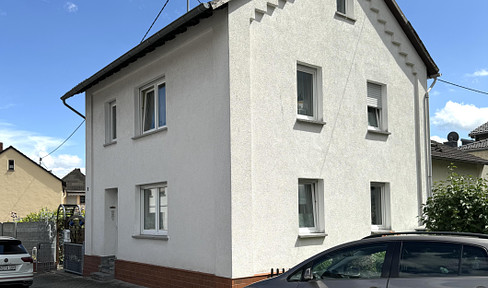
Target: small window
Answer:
pixel 11 165
pixel 376 107
pixel 111 121
pixel 309 206
pixel 153 106
pixel 308 96
pixel 429 259
pixel 82 199
pixel 365 262
pixel 346 8
pixel 154 209
pixel 380 207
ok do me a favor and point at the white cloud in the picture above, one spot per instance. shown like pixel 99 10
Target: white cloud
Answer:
pixel 479 73
pixel 35 146
pixel 71 7
pixel 438 139
pixel 460 116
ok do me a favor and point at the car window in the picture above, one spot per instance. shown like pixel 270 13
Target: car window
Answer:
pixel 357 262
pixel 11 247
pixel 429 259
pixel 474 261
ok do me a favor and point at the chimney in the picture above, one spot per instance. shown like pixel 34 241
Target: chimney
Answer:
pixel 1 146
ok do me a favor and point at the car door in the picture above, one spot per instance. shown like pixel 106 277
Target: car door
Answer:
pixel 440 265
pixel 352 267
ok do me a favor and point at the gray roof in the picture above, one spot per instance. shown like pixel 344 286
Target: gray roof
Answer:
pixel 75 181
pixel 478 145
pixel 483 129
pixel 205 10
pixel 444 152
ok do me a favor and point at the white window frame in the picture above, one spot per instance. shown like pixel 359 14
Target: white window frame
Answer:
pixel 157 207
pixel 318 206
pixel 348 7
pixel 384 206
pixel 316 92
pixel 110 122
pixel 142 92
pixel 377 102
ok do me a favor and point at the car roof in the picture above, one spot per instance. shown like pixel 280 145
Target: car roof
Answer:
pixel 453 237
pixel 7 238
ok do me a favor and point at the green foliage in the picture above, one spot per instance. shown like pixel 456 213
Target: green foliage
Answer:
pixel 458 204
pixel 45 214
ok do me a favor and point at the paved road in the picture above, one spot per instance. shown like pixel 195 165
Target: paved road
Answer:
pixel 61 279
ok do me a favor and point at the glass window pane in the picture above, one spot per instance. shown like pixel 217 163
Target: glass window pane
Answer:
pixel 305 93
pixel 148 110
pixel 376 214
pixel 149 209
pixel 360 262
pixel 162 105
pixel 429 259
pixel 373 117
pixel 306 206
pixel 114 121
pixel 163 209
pixel 474 262
pixel 341 6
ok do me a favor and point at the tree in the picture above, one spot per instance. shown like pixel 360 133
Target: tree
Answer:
pixel 459 204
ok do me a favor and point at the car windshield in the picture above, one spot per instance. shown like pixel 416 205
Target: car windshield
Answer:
pixel 11 247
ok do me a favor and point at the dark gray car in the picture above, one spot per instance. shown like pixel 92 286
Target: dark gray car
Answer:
pixel 394 260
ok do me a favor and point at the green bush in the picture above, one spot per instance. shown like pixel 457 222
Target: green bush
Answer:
pixel 458 204
pixel 45 214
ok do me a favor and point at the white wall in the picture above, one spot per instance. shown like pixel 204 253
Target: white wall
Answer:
pixel 192 155
pixel 271 150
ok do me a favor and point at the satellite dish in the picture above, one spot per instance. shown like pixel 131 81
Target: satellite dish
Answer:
pixel 453 136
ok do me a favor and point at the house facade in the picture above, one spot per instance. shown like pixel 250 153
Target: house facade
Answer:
pixel 74 192
pixel 250 135
pixel 444 156
pixel 25 187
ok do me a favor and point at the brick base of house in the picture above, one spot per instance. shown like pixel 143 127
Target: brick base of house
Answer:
pixel 153 276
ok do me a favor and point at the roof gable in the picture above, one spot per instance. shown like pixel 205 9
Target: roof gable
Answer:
pixel 75 180
pixel 205 10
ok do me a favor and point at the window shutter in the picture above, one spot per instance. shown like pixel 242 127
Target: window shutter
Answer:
pixel 374 95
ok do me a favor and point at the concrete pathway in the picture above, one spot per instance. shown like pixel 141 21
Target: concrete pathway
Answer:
pixel 61 279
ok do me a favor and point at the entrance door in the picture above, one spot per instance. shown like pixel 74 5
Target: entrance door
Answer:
pixel 111 221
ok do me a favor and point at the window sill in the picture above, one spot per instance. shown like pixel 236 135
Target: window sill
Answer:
pixel 110 143
pixel 380 132
pixel 312 235
pixel 345 16
pixel 150 133
pixel 151 237
pixel 308 121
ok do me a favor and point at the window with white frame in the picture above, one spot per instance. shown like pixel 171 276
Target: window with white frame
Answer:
pixel 111 122
pixel 154 209
pixel 310 209
pixel 308 93
pixel 345 7
pixel 153 106
pixel 376 107
pixel 380 206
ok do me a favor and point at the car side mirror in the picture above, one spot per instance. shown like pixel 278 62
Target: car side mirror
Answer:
pixel 307 275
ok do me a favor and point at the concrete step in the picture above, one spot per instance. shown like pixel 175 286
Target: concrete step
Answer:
pixel 100 276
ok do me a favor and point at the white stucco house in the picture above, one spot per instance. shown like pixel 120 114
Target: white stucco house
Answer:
pixel 251 134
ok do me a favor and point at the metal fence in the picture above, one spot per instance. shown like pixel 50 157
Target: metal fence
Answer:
pixel 73 258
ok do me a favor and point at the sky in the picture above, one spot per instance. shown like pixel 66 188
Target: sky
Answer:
pixel 49 46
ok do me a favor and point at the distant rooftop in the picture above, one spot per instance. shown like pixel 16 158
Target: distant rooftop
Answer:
pixel 444 152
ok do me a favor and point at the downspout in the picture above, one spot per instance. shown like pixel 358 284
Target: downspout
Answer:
pixel 428 163
pixel 72 109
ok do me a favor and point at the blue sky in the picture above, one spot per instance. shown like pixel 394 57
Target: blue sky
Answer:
pixel 49 46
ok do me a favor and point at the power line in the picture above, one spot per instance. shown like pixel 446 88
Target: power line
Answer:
pixel 154 21
pixel 463 87
pixel 40 159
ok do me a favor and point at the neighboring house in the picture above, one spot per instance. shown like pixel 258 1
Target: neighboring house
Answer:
pixel 75 188
pixel 25 187
pixel 478 146
pixel 249 135
pixel 444 156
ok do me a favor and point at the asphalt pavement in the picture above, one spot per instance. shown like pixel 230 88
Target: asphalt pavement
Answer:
pixel 61 279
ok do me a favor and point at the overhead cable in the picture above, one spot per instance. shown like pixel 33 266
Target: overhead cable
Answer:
pixel 463 87
pixel 154 21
